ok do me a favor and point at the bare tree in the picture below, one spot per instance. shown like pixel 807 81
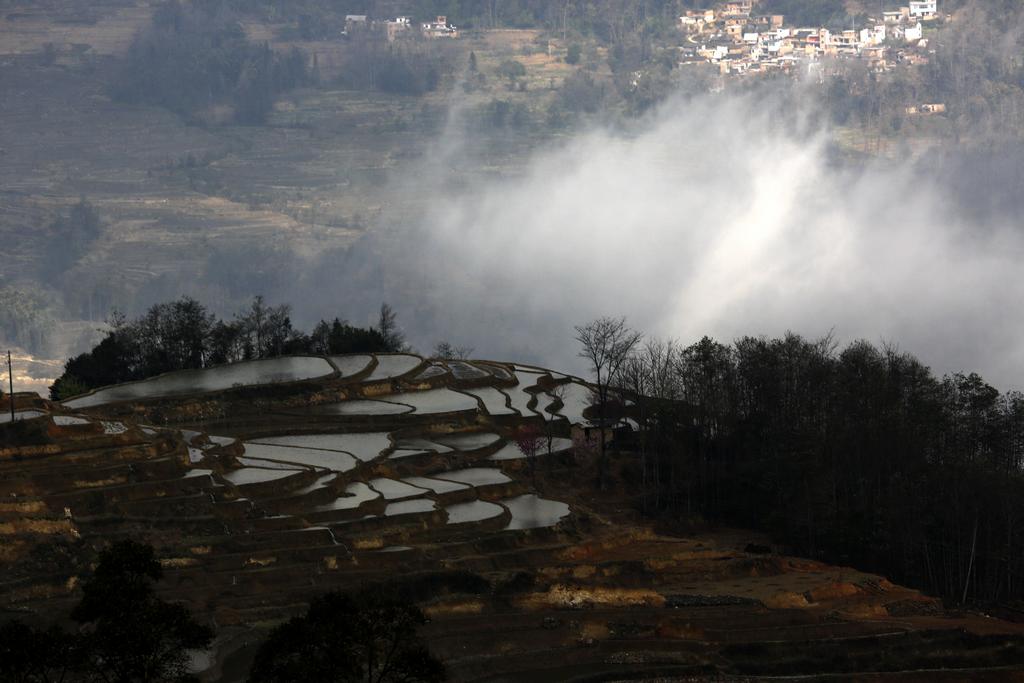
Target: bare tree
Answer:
pixel 606 345
pixel 650 377
pixel 557 393
pixel 265 328
pixel 529 440
pixel 394 339
pixel 449 351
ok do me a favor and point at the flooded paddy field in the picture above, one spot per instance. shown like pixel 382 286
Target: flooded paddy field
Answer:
pixel 252 373
pixel 532 568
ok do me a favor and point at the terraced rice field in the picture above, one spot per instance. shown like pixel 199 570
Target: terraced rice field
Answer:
pixel 254 475
pixel 519 396
pixel 511 451
pixel 64 420
pixel 434 401
pixel 252 373
pixel 531 512
pixel 477 476
pixel 5 416
pixel 395 490
pixel 366 446
pixel 536 569
pixel 422 445
pixel 367 407
pixel 409 507
pixel 391 366
pixel 473 511
pixel 495 400
pixel 400 453
pixel 469 442
pixel 575 398
pixel 466 371
pixel 268 464
pixel 336 461
pixel 355 495
pixel 450 398
pixel 432 371
pixel 321 482
pixel 435 485
pixel 348 366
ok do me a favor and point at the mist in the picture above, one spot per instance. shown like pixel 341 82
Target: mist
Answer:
pixel 721 215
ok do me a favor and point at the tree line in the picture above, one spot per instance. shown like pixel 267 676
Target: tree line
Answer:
pixel 127 634
pixel 857 455
pixel 403 67
pixel 184 335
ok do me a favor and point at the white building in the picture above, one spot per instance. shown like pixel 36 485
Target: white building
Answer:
pixel 715 53
pixel 924 9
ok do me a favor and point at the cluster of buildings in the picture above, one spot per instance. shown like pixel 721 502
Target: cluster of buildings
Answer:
pixel 401 27
pixel 739 40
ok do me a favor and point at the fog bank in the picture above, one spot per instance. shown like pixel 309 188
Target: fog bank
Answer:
pixel 720 216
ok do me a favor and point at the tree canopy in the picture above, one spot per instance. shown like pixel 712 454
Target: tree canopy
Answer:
pixel 368 635
pixel 196 55
pixel 184 335
pixel 857 455
pixel 127 635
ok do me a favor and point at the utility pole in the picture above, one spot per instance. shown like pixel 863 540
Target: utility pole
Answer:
pixel 10 380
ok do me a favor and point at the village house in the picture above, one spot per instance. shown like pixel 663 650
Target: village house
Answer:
pixel 354 22
pixel 697 21
pixel 925 10
pixel 847 42
pixel 713 53
pixel 875 35
pixel 734 28
pixel 396 27
pixel 740 51
pixel 439 28
pixel 737 8
pixel 875 57
pixel 773 22
pixel 706 16
pixel 777 47
pixel 926 109
pixel 691 24
pixel 740 42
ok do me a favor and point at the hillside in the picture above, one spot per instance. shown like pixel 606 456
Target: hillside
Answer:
pixel 193 199
pixel 193 202
pixel 262 484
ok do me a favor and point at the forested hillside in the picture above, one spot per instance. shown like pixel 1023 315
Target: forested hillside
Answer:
pixel 857 454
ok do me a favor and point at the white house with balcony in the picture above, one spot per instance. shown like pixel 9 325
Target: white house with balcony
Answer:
pixel 924 9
